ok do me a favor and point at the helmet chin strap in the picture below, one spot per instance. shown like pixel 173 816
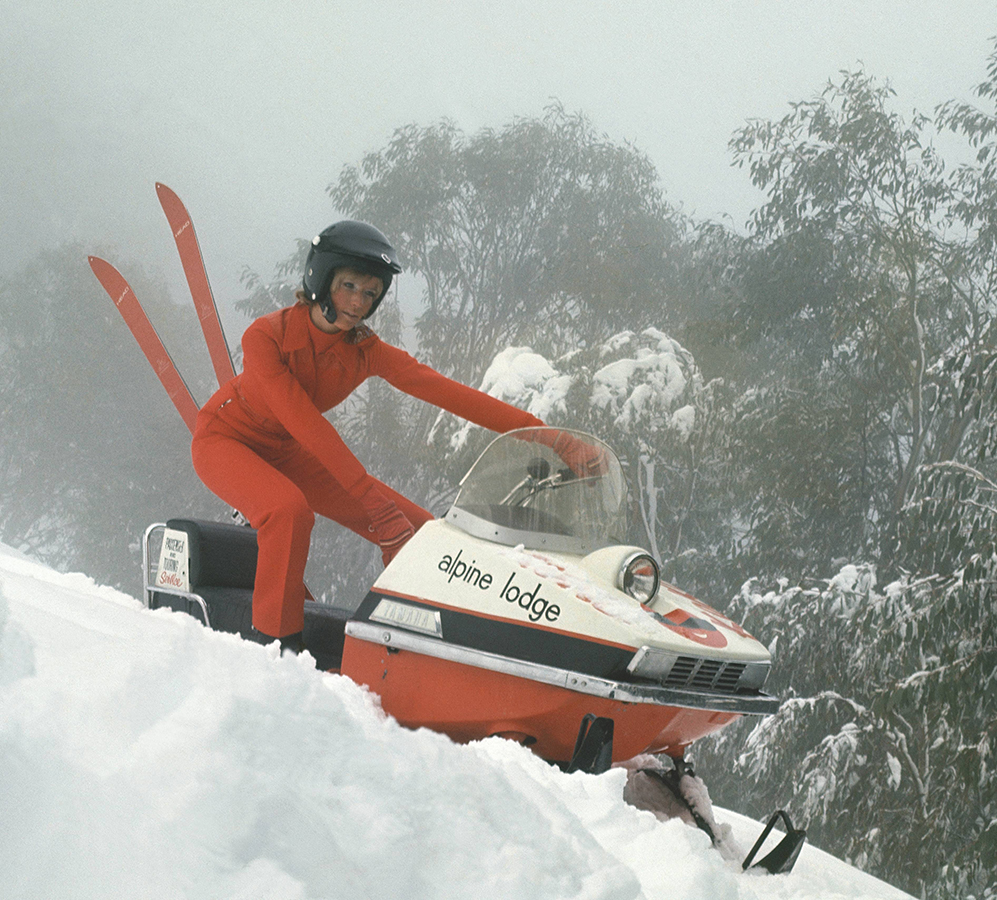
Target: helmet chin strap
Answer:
pixel 329 311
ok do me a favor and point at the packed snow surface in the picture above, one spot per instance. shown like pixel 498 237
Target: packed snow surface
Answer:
pixel 143 756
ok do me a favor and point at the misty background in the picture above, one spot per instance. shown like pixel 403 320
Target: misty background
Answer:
pixel 751 245
pixel 249 113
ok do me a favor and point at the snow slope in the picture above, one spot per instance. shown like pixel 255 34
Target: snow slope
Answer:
pixel 143 756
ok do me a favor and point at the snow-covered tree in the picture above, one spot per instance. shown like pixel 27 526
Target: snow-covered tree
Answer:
pixel 884 745
pixel 867 313
pixel 645 396
pixel 866 295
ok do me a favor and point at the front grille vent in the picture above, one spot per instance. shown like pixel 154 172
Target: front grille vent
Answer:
pixel 698 674
pixel 706 674
pixel 728 678
pixel 681 672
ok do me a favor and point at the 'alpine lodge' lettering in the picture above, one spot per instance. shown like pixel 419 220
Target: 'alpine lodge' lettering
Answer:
pixel 460 569
pixel 536 607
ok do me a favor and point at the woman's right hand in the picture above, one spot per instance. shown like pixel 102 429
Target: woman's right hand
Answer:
pixel 584 459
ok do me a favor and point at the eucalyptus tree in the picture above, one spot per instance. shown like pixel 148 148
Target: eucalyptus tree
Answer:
pixel 854 292
pixel 93 450
pixel 885 742
pixel 541 233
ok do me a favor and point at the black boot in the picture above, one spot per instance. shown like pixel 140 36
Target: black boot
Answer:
pixel 292 642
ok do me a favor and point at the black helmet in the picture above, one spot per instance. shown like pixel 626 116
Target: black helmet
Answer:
pixel 349 244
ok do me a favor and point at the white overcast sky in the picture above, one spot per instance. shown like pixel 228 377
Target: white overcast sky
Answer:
pixel 249 110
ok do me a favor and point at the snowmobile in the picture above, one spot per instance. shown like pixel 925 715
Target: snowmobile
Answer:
pixel 521 613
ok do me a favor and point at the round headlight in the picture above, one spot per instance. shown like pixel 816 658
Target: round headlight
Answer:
pixel 639 577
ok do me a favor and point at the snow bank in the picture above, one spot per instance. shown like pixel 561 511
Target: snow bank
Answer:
pixel 145 756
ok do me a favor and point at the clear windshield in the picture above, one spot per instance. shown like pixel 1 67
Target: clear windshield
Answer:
pixel 547 489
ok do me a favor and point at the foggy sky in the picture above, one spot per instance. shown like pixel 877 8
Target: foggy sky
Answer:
pixel 250 110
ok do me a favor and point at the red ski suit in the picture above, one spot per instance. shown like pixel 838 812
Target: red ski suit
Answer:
pixel 262 445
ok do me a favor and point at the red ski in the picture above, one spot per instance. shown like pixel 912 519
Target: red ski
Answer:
pixel 138 323
pixel 197 280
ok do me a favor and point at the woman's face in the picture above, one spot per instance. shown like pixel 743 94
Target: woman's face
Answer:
pixel 353 293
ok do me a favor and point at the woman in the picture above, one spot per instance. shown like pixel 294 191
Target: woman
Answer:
pixel 263 446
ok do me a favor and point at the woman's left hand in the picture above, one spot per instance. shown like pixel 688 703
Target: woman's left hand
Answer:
pixel 393 532
pixel 390 528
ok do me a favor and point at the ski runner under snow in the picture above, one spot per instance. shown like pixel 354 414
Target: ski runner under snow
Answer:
pixel 262 444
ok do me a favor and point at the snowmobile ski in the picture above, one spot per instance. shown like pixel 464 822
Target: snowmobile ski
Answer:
pixel 783 856
pixel 197 281
pixel 143 331
pixel 778 861
pixel 672 780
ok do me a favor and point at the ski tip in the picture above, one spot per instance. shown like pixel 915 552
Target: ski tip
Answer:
pixel 173 206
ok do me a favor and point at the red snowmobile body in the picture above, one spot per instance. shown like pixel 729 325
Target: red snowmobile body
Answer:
pixel 518 614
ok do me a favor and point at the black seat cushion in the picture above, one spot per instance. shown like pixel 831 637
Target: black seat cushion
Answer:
pixel 221 555
pixel 222 568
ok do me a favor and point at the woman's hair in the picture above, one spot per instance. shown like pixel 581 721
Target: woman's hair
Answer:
pixel 302 296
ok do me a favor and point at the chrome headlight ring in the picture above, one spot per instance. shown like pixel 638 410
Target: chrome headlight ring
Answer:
pixel 639 577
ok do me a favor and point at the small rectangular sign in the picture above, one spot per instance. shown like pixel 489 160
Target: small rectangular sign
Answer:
pixel 405 615
pixel 174 563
